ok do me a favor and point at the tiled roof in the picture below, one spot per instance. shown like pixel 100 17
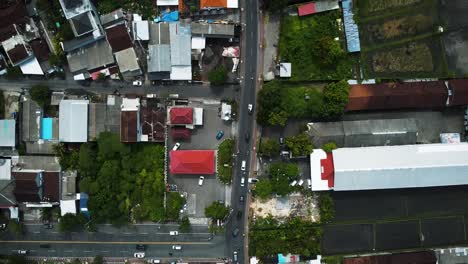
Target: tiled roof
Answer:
pixel 27 188
pixel 180 133
pixel 129 126
pixel 41 50
pixel 192 162
pixel 18 54
pixel 212 3
pixel 14 13
pixel 118 38
pixel 51 186
pixel 459 89
pixel 181 115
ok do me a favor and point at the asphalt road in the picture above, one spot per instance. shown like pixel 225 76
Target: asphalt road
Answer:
pixel 246 125
pixel 110 241
pixel 184 90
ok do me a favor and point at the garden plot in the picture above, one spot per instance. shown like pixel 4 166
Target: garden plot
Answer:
pixel 290 206
pixel 368 7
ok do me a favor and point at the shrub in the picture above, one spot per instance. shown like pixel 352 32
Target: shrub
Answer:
pixel 329 147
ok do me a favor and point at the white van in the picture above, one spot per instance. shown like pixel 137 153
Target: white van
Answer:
pixel 243 165
pixel 301 181
pixel 173 233
pixel 242 181
pixel 177 247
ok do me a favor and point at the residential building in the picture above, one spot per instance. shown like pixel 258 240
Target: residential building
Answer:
pixel 140 30
pixel 7 187
pixel 423 257
pixel 104 117
pixel 213 4
pixel 129 120
pixel 181 63
pixel 159 52
pixel 119 38
pixel 317 7
pixel 360 133
pixel 7 133
pixel 192 162
pixel 96 57
pixel 115 17
pixel 390 167
pixel 167 2
pixel 73 121
pixel 211 30
pixel 128 63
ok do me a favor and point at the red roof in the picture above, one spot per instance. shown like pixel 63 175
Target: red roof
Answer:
pixel 306 9
pixel 181 115
pixel 180 133
pixel 192 161
pixel 424 257
pixel 212 3
pixel 128 126
pixel 328 171
pixel 118 38
pixel 459 89
pixel 51 186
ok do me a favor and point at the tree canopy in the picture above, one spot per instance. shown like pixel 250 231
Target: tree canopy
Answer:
pixel 71 222
pixel 327 208
pixel 263 188
pixel 218 75
pixel 335 99
pixel 216 211
pixel 282 174
pixel 185 225
pixel 329 147
pixel 224 164
pixel 300 145
pixel 269 147
pixel 41 95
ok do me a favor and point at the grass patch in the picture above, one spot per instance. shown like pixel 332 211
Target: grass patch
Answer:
pixel 224 165
pixel 368 7
pixel 308 43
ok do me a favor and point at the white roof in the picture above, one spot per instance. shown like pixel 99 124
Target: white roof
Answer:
pixel 127 60
pixel 232 3
pixel 73 121
pixel 198 116
pixel 7 133
pixel 67 207
pixel 198 42
pixel 226 110
pixel 5 169
pixel 31 67
pixel 405 166
pixel 141 30
pixel 316 171
pixel 167 2
pixel 181 73
pixel 285 69
pixel 130 104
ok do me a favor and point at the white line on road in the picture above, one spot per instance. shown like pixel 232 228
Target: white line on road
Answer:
pixel 143 233
pixel 126 233
pixel 52 250
pixel 68 250
pixel 54 232
pixel 37 232
pixel 104 250
pixel 87 251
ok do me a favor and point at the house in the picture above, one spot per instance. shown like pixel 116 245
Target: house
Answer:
pixel 180 40
pixel 317 7
pixel 181 115
pixel 128 63
pixel 285 70
pixel 36 188
pixel 458 92
pixel 423 257
pixel 211 30
pixel 180 133
pixel 361 133
pixel 140 30
pixel 104 117
pixel 118 38
pixel 129 116
pixel 95 57
pixel 115 17
pixel 68 196
pixel 213 4
pixel 390 167
pixel 7 187
pixel 192 162
pixel 7 133
pixel 388 96
pixel 20 54
pixel 159 52
pixel 73 121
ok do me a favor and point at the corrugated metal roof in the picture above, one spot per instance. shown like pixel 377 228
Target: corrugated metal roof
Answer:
pixel 159 58
pixel 7 133
pixel 351 28
pixel 73 121
pixel 406 166
pixel 221 30
pixel 180 36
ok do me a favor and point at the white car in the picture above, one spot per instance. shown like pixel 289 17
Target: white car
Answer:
pixel 250 107
pixel 243 165
pixel 253 180
pixel 242 182
pixel 176 146
pixel 293 183
pixel 139 255
pixel 200 180
pixel 173 233
pixel 154 261
pixel 300 182
pixel 137 83
pixel 309 183
pixel 176 247
pixel 22 252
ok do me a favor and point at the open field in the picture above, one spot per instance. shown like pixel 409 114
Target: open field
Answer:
pixel 369 7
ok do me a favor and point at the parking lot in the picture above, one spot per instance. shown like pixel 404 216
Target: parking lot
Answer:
pixel 202 138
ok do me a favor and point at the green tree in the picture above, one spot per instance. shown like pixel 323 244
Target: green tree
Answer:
pixel 101 77
pixel 282 174
pixel 278 118
pixel 269 147
pixel 268 100
pixel 56 60
pixel 70 222
pixel 327 208
pixel 329 147
pixel 335 99
pixel 216 211
pixel 224 164
pixel 300 145
pixel 263 189
pixel 218 75
pixel 13 73
pixel 41 95
pixel 87 160
pixel 173 205
pixel 185 226
pixel 98 260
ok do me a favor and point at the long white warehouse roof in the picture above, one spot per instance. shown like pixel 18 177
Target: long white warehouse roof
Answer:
pixel 407 166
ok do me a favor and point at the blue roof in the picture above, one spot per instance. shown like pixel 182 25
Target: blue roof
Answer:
pixel 351 28
pixel 46 128
pixel 84 204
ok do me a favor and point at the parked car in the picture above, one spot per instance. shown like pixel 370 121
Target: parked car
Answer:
pixel 242 182
pixel 137 83
pixel 173 233
pixel 253 180
pixel 139 255
pixel 176 146
pixel 235 232
pixel 140 247
pixel 176 247
pixel 250 107
pixel 243 165
pixel 234 257
pixel 22 252
pixel 220 135
pixel 247 137
pixel 309 183
pixel 281 140
pixel 200 180
pixel 293 183
pixel 154 261
pixel 301 181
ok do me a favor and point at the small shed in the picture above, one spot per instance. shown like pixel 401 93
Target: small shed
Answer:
pixel 285 69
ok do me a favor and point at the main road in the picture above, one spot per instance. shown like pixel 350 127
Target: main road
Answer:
pixel 245 145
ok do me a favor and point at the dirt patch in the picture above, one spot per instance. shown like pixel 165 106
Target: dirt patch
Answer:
pixel 295 205
pixel 372 6
pixel 11 103
pixel 413 57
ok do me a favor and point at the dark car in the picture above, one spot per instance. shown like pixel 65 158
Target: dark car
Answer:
pixel 235 232
pixel 140 247
pixel 220 134
pixel 239 214
pixel 247 137
pixel 241 199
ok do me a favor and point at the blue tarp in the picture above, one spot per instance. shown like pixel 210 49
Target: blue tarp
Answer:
pixel 351 28
pixel 170 16
pixel 46 128
pixel 84 204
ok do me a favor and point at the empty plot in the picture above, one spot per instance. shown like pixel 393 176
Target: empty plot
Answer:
pixel 438 201
pixel 442 231
pixel 397 235
pixel 347 238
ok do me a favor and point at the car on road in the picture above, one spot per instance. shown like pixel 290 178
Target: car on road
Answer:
pixel 235 232
pixel 176 146
pixel 48 226
pixel 247 137
pixel 309 183
pixel 242 181
pixel 3 226
pixel 139 255
pixel 200 180
pixel 154 261
pixel 281 140
pixel 173 233
pixel 140 247
pixel 137 83
pixel 253 180
pixel 22 251
pixel 241 199
pixel 239 214
pixel 250 108
pixel 176 247
pixel 234 256
pixel 243 165
pixel 301 181
pixel 220 135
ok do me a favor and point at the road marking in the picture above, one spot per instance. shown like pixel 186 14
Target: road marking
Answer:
pixel 52 250
pixel 68 250
pixel 104 250
pixel 54 232
pixel 100 242
pixel 87 251
pixel 37 232
pixel 143 233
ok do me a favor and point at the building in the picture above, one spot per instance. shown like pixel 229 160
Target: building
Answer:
pixel 159 52
pixel 423 257
pixel 115 17
pixel 351 28
pixel 129 120
pixel 73 121
pixel 167 2
pixel 388 96
pixel 181 56
pixel 458 95
pixel 178 133
pixel 7 133
pixel 192 162
pixel 140 30
pixel 98 56
pixel 128 63
pixel 360 133
pixel 285 70
pixel 36 188
pixel 214 4
pixel 118 37
pixel 390 167
pixel 7 187
pixel 212 30
pixel 181 115
pixel 317 7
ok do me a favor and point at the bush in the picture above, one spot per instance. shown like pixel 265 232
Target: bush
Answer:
pixel 335 99
pixel 174 203
pixel 13 73
pixel 218 75
pixel 299 145
pixel 329 147
pixel 282 174
pixel 216 211
pixel 225 151
pixel 263 189
pixel 185 225
pixel 269 147
pixel 41 95
pixel 70 222
pixel 327 208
